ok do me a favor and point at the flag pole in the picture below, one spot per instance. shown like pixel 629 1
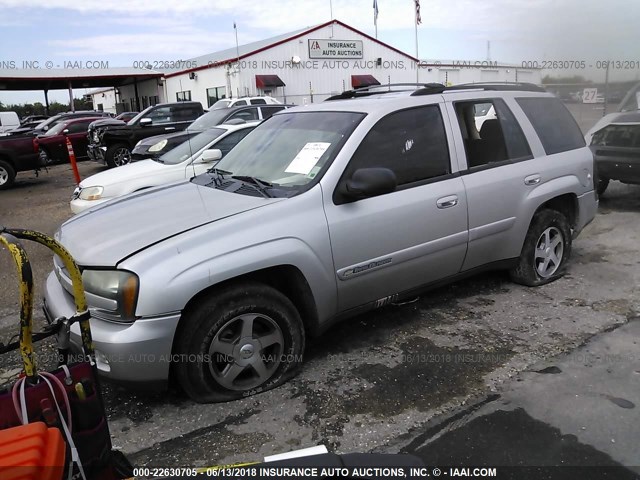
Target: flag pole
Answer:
pixel 238 55
pixel 418 20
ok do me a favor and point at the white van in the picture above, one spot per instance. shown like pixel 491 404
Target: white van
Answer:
pixel 8 121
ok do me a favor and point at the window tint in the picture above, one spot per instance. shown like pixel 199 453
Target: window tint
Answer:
pixel 240 103
pixel 411 142
pixel 268 111
pixel 227 143
pixel 258 101
pixel 248 115
pixel 553 123
pixel 160 115
pixel 185 114
pixel 490 132
pixel 79 127
pixel 618 136
pixel 517 145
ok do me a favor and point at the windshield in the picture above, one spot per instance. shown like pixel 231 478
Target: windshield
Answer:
pixel 290 150
pixel 191 147
pixel 57 129
pixel 48 122
pixel 208 120
pixel 220 104
pixel 631 100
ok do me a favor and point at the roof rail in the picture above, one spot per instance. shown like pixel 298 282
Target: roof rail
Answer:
pixel 377 89
pixel 507 86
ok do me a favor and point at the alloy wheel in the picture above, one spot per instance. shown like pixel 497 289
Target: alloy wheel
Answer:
pixel 548 252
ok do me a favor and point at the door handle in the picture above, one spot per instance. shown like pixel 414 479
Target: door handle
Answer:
pixel 446 202
pixel 170 128
pixel 532 179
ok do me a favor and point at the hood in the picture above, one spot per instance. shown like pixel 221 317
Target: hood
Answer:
pixel 106 122
pixel 149 141
pixel 610 119
pixel 108 234
pixel 126 172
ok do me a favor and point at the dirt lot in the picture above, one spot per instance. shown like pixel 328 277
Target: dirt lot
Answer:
pixel 380 377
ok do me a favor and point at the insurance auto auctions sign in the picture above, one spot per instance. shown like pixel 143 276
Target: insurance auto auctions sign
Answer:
pixel 335 48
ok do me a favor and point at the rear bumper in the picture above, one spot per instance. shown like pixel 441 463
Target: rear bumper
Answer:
pixel 139 352
pixel 587 209
pixel 626 170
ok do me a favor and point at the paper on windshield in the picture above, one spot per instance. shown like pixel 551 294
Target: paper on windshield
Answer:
pixel 307 158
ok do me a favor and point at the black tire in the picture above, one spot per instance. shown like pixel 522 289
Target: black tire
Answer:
pixel 529 267
pixel 603 183
pixel 219 321
pixel 7 175
pixel 46 160
pixel 113 155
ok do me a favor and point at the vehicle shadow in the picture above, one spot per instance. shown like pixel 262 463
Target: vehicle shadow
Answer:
pixel 620 197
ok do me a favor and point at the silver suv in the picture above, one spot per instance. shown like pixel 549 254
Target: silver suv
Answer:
pixel 323 212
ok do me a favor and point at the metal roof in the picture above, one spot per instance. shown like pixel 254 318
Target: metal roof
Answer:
pixel 59 78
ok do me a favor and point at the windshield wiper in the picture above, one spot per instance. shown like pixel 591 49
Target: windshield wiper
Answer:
pixel 258 184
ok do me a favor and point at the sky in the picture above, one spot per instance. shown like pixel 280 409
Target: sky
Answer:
pixel 124 32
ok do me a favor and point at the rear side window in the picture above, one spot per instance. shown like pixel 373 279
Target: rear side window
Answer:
pixel 185 114
pixel 412 143
pixel 79 127
pixel 555 126
pixel 258 101
pixel 248 115
pixel 268 111
pixel 618 136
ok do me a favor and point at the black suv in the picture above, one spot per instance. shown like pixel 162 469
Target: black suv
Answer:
pixel 155 147
pixel 112 144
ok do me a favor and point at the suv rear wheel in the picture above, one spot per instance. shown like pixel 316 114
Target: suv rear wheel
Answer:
pixel 45 157
pixel 546 250
pixel 118 155
pixel 244 340
pixel 7 175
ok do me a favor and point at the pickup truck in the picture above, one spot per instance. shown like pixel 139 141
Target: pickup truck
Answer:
pixel 18 153
pixel 112 144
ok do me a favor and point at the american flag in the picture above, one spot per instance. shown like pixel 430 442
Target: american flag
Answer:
pixel 418 18
pixel 375 12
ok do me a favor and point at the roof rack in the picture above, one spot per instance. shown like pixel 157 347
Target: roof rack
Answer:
pixel 505 87
pixel 435 88
pixel 377 89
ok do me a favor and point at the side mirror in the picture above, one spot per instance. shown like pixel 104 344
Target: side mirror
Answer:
pixel 211 155
pixel 369 182
pixel 145 122
pixel 65 131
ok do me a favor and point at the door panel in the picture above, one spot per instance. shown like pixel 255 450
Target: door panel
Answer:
pixel 391 243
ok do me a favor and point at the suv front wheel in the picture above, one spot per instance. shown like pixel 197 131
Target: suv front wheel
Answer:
pixel 546 250
pixel 118 155
pixel 244 340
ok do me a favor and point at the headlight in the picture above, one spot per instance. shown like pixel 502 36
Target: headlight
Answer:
pixel 91 193
pixel 158 146
pixel 119 286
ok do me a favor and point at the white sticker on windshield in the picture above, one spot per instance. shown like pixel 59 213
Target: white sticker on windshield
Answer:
pixel 307 158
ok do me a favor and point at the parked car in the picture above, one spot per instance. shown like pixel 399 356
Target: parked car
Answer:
pixel 323 212
pixel 158 145
pixel 33 118
pixel 51 122
pixel 615 143
pixel 482 113
pixel 111 144
pixel 238 102
pixel 52 146
pixel 17 154
pixel 8 121
pixel 181 163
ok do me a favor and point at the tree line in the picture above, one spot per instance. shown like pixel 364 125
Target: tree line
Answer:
pixel 39 108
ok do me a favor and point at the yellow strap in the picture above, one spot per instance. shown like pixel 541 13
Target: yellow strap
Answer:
pixel 25 278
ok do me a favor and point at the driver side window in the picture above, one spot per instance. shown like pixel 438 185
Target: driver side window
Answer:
pixel 160 115
pixel 412 143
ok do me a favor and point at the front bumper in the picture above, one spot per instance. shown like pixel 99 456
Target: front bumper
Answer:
pixel 138 352
pixel 96 153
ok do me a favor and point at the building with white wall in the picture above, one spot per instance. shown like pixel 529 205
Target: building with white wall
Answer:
pixel 306 66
